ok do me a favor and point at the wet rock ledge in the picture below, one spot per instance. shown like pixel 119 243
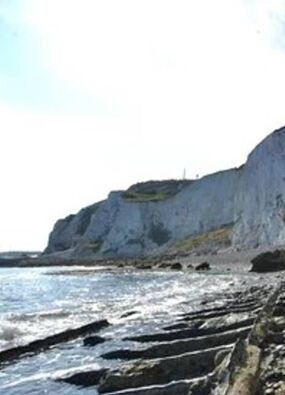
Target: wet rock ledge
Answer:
pixel 237 348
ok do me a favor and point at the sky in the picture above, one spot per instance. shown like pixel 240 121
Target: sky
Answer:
pixel 96 95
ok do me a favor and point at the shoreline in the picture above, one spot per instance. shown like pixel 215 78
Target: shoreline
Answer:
pixel 194 350
pixel 229 259
pixel 191 349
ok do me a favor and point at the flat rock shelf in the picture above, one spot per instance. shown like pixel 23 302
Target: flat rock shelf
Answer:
pixel 232 345
pixel 237 348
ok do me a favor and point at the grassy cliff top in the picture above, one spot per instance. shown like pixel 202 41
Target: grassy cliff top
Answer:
pixel 154 191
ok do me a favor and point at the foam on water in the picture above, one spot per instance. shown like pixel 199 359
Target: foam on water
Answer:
pixel 53 314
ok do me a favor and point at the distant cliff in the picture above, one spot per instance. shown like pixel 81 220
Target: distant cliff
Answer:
pixel 242 207
pixel 14 258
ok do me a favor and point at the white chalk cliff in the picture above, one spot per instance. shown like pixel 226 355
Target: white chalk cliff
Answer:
pixel 260 197
pixel 250 201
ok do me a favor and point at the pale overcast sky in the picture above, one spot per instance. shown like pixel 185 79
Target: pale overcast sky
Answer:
pixel 98 94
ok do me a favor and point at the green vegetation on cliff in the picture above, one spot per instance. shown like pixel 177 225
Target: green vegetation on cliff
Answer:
pixel 217 237
pixel 154 191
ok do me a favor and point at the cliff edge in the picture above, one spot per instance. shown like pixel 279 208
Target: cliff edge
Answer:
pixel 242 208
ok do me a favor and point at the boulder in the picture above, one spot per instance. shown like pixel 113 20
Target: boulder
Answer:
pixel 270 261
pixel 144 267
pixel 164 265
pixel 203 266
pixel 176 266
pixel 120 265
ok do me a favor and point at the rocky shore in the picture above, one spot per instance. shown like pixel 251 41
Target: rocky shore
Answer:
pixel 237 348
pixel 233 344
pixel 226 260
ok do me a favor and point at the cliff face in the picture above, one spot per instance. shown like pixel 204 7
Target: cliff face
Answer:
pixel 260 198
pixel 250 199
pixel 68 232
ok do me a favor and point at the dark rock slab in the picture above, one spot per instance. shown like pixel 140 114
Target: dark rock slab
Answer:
pixel 190 333
pixel 50 341
pixel 181 325
pixel 85 379
pixel 226 307
pixel 92 341
pixel 182 387
pixel 269 262
pixel 180 346
pixel 129 313
pixel 160 371
pixel 220 313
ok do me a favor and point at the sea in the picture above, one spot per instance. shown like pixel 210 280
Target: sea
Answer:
pixel 38 302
